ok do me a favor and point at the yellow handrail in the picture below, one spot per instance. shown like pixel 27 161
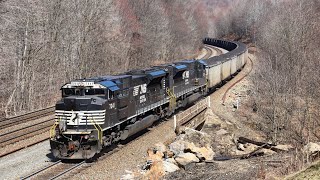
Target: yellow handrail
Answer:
pixel 172 102
pixel 98 128
pixel 53 128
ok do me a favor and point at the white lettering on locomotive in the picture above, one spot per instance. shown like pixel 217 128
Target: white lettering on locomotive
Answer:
pixel 142 91
pixel 185 75
pixel 136 90
pixel 143 88
pixel 112 105
pixel 75 83
pixel 186 81
pixel 143 99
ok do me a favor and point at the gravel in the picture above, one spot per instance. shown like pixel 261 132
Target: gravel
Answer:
pixel 131 155
pixel 232 169
pixel 25 161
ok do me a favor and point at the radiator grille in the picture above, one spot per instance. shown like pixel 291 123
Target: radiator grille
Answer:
pixel 81 117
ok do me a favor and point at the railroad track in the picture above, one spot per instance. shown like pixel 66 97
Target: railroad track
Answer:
pixel 208 54
pixel 54 171
pixel 233 84
pixel 210 50
pixel 7 122
pixel 25 132
pixel 219 51
pixel 60 169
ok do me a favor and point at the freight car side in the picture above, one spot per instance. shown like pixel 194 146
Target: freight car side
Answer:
pixel 221 68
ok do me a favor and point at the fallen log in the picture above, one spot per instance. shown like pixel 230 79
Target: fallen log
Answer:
pixel 271 146
pixel 244 140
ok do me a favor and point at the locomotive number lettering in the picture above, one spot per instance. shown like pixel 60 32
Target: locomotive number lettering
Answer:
pixel 185 75
pixel 143 99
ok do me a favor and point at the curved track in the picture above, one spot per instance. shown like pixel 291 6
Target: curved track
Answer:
pixel 233 84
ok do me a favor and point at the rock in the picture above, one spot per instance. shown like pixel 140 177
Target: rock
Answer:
pixel 241 147
pixel 177 147
pixel 186 158
pixel 311 148
pixel 128 176
pixel 154 156
pixel 169 154
pixel 200 139
pixel 250 148
pixel 169 167
pixel 156 170
pixel 160 147
pixel 203 153
pixel 171 160
pixel 284 147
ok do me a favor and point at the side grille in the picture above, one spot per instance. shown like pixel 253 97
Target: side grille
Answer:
pixel 81 117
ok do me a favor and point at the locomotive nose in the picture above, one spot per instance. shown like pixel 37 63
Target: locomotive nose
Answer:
pixel 72 103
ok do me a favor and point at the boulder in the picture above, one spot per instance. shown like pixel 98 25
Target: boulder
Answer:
pixel 169 167
pixel 156 170
pixel 154 156
pixel 203 153
pixel 171 160
pixel 160 147
pixel 184 159
pixel 311 148
pixel 200 139
pixel 177 147
pixel 169 154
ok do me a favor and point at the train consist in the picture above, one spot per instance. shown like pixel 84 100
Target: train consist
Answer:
pixel 97 112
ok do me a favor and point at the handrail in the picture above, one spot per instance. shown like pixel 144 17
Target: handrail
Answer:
pixel 53 128
pixel 172 101
pixel 98 128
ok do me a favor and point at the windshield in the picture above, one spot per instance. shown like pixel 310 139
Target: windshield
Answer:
pixel 82 92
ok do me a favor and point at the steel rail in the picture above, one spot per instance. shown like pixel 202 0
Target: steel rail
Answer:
pixel 233 84
pixel 7 122
pixel 4 134
pixel 40 170
pixel 68 170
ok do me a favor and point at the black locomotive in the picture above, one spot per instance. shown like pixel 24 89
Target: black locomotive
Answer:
pixel 96 112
